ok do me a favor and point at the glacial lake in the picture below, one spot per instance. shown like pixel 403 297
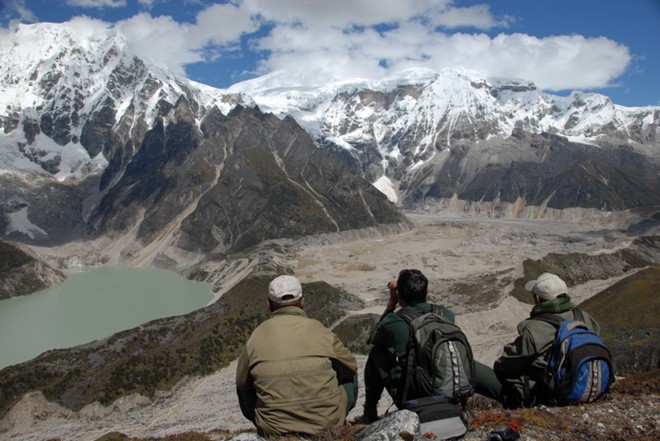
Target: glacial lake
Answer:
pixel 92 305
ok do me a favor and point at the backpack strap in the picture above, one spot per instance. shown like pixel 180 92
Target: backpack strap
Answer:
pixel 409 314
pixel 438 310
pixel 553 319
pixel 578 315
pixel 557 320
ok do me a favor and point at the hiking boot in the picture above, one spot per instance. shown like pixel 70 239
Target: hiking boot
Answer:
pixel 369 415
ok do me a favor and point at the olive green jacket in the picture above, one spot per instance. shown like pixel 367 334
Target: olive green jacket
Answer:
pixel 289 374
pixel 522 363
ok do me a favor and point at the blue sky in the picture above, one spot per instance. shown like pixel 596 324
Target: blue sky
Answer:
pixel 606 46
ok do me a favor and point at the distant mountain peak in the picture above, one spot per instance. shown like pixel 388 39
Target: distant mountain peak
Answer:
pixel 68 89
pixel 76 101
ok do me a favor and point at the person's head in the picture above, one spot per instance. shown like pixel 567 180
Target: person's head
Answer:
pixel 546 287
pixel 285 291
pixel 412 286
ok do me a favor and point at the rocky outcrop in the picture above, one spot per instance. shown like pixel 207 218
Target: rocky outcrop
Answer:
pixel 540 170
pixel 578 268
pixel 44 211
pixel 399 425
pixel 22 272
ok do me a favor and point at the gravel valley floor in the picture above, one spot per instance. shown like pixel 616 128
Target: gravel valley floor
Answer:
pixel 447 250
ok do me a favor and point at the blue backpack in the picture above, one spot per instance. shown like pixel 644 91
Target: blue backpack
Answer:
pixel 580 365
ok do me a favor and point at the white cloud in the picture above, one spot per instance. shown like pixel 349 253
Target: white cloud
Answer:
pixel 92 4
pixel 342 13
pixel 160 40
pixel 173 45
pixel 86 28
pixel 312 55
pixel 312 42
pixel 221 24
pixel 555 63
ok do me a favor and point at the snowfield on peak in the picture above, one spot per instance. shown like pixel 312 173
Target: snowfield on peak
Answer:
pixel 442 97
pixel 78 103
pixel 54 89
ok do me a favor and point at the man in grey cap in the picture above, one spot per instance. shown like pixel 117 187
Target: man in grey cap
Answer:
pixel 515 378
pixel 294 375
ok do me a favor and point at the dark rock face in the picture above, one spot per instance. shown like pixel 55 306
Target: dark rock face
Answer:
pixel 243 178
pixel 55 210
pixel 559 173
pixel 96 135
pixel 22 272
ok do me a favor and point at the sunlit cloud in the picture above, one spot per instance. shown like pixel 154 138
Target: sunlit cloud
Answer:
pixel 312 42
pixel 93 4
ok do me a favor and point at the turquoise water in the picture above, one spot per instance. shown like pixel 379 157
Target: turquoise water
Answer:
pixel 92 305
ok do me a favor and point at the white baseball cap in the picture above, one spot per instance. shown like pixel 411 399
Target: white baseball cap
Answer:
pixel 284 289
pixel 547 286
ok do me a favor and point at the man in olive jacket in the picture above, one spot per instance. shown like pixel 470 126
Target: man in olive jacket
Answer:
pixel 515 378
pixel 294 375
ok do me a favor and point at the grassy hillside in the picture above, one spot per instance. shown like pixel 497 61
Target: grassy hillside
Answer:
pixel 157 355
pixel 629 313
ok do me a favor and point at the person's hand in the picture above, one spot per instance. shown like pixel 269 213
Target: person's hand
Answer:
pixel 394 297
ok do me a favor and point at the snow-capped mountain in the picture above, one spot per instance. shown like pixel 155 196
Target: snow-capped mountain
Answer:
pixel 70 99
pixel 395 125
pixel 100 143
pixel 440 103
pixel 118 142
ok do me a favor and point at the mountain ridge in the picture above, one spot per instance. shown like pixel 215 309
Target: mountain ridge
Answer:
pixel 135 152
pixel 442 108
pixel 127 149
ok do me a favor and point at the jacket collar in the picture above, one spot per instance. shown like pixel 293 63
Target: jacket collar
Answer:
pixel 561 304
pixel 290 310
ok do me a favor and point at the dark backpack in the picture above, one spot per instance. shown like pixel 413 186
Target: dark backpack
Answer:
pixel 439 361
pixel 580 365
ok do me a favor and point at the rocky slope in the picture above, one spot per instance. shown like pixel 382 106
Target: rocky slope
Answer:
pixel 205 408
pixel 631 309
pixel 126 149
pixel 234 182
pixel 150 169
pixel 153 358
pixel 23 272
